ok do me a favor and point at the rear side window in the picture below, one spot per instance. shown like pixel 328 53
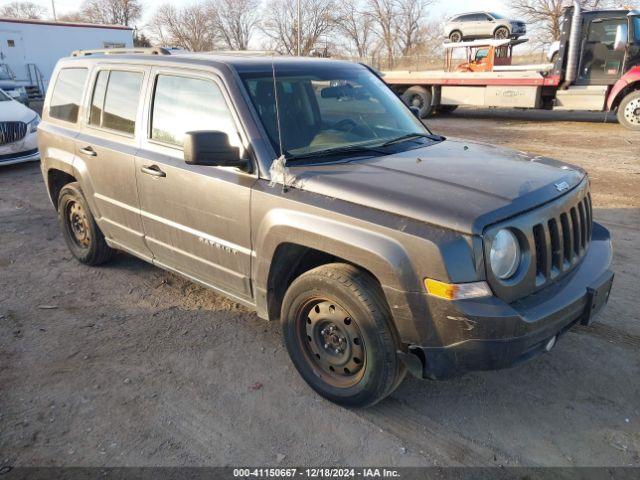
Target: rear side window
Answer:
pixel 182 104
pixel 67 94
pixel 115 100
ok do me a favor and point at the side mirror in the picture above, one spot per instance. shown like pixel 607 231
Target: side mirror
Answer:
pixel 207 147
pixel 415 111
pixel 622 37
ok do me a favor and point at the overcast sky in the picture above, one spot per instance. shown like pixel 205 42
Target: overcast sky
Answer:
pixel 442 8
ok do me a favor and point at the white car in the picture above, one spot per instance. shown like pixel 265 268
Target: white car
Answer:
pixel 476 25
pixel 18 129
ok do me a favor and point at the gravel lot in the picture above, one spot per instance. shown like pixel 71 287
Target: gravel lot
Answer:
pixel 127 365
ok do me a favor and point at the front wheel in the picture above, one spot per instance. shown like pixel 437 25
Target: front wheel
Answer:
pixel 502 33
pixel 338 333
pixel 629 111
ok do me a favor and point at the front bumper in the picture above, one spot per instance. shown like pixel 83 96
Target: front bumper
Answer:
pixel 489 334
pixel 25 150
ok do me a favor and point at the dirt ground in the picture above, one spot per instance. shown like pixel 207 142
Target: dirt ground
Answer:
pixel 127 365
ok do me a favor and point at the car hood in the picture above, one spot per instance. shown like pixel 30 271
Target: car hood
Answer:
pixel 12 111
pixel 460 185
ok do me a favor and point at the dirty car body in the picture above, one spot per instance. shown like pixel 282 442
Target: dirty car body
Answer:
pixel 366 186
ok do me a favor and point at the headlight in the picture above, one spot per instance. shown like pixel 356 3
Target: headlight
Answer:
pixel 33 124
pixel 505 255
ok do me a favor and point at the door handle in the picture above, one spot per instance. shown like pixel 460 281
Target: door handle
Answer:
pixel 153 170
pixel 90 152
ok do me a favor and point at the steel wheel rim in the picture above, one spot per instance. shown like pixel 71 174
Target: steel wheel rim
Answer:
pixel 632 111
pixel 455 38
pixel 78 224
pixel 417 101
pixel 332 342
pixel 501 34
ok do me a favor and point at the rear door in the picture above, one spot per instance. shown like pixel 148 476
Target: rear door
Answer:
pixel 106 146
pixel 196 217
pixel 601 64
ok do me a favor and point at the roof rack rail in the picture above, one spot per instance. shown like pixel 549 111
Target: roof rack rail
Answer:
pixel 121 51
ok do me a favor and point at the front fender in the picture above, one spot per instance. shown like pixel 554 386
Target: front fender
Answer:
pixel 384 257
pixel 629 78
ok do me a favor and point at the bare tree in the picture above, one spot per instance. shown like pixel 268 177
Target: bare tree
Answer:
pixel 234 21
pixel 383 13
pixel 110 12
pixel 318 18
pixel 116 12
pixel 410 23
pixel 547 14
pixel 190 28
pixel 356 25
pixel 28 10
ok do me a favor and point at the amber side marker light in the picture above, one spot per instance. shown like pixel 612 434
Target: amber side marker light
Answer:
pixel 457 291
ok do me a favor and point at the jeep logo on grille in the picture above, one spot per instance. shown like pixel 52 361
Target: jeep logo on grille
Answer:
pixel 562 186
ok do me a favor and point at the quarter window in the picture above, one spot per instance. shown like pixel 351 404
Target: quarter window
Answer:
pixel 67 94
pixel 115 100
pixel 183 104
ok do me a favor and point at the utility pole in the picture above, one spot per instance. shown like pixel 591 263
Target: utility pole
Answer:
pixel 53 10
pixel 299 33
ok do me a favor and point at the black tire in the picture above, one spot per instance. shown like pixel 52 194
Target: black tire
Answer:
pixel 501 33
pixel 629 111
pixel 330 315
pixel 555 57
pixel 81 234
pixel 446 109
pixel 455 36
pixel 420 98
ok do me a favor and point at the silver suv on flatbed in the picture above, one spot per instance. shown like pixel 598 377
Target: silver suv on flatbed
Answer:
pixel 305 189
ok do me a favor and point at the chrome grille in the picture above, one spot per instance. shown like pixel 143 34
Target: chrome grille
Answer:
pixel 12 132
pixel 562 241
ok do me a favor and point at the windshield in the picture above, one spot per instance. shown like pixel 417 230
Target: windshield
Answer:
pixel 497 16
pixel 4 97
pixel 325 110
pixel 636 28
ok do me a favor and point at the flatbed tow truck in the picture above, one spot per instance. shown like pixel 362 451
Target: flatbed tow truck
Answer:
pixel 595 67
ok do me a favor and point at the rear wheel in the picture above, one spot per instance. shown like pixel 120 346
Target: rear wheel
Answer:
pixel 337 331
pixel 81 234
pixel 455 37
pixel 420 98
pixel 501 33
pixel 629 111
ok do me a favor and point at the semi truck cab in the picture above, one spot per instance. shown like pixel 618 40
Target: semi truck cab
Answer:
pixel 609 46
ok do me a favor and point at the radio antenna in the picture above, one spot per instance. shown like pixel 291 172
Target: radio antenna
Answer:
pixel 279 165
pixel 277 100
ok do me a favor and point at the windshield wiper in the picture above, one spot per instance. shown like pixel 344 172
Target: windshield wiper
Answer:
pixel 411 136
pixel 352 149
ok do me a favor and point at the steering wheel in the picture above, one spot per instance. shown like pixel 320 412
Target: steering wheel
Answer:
pixel 345 125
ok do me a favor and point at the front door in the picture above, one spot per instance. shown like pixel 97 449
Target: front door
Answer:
pixel 107 145
pixel 196 218
pixel 600 63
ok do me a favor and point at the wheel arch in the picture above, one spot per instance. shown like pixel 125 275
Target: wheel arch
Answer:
pixel 57 178
pixel 628 83
pixel 502 25
pixel 295 242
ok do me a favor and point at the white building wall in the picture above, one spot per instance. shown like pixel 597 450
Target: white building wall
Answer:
pixel 45 43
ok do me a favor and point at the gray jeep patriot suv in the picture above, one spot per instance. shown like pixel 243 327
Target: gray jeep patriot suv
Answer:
pixel 306 190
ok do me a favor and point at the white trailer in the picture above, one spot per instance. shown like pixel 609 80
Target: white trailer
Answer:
pixel 31 48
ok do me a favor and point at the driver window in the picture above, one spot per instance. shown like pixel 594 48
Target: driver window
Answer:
pixel 183 104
